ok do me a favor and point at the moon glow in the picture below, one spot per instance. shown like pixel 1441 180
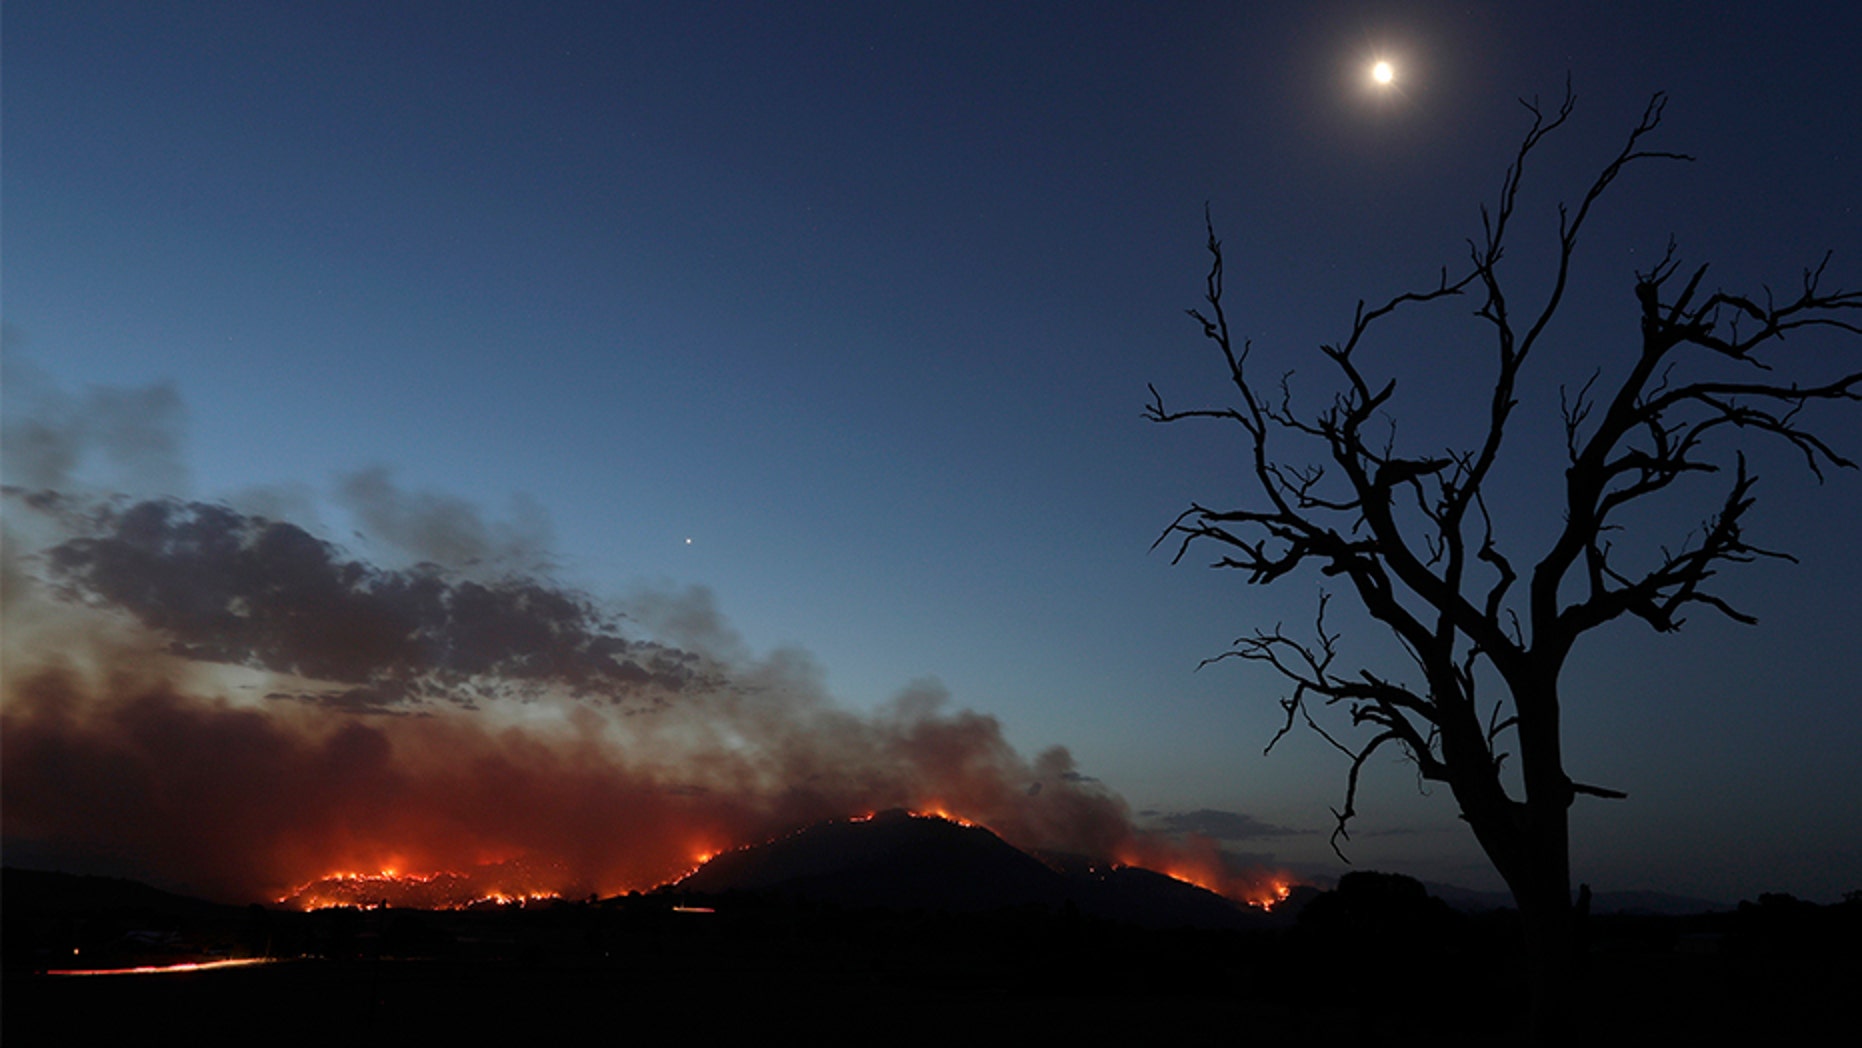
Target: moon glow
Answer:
pixel 1383 73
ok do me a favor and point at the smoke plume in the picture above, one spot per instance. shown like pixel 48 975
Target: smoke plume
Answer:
pixel 217 699
pixel 229 704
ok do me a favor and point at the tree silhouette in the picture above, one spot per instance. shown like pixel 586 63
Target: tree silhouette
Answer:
pixel 1413 539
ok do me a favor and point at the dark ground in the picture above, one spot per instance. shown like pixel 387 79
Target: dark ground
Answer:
pixel 1368 969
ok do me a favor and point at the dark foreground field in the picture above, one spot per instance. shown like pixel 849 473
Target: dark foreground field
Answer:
pixel 637 969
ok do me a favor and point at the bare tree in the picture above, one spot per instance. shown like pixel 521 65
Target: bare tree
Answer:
pixel 1412 536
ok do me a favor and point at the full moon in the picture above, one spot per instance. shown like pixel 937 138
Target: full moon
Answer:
pixel 1383 72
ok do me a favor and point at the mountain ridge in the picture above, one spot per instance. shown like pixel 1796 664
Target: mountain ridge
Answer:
pixel 901 860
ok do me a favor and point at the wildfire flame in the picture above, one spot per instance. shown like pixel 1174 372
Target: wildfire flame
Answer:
pixel 1275 893
pixel 1197 860
pixel 438 890
pixel 935 811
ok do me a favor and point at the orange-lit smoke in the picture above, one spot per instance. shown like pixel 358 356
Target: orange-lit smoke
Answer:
pixel 193 698
pixel 1198 860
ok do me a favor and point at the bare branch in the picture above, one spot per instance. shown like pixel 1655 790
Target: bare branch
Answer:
pixel 1599 791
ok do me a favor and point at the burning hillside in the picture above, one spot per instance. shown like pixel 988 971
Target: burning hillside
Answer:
pixel 221 701
pixel 909 861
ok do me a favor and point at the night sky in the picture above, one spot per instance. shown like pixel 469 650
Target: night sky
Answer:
pixel 818 335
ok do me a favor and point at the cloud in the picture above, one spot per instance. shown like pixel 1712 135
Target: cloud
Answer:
pixel 1219 825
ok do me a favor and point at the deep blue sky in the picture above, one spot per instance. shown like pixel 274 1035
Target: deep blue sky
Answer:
pixel 862 299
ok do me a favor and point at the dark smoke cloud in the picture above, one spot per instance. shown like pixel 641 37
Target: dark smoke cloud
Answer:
pixel 443 529
pixel 246 803
pixel 228 588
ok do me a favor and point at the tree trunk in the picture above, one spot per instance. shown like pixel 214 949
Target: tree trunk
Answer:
pixel 1530 848
pixel 1542 883
pixel 1546 916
